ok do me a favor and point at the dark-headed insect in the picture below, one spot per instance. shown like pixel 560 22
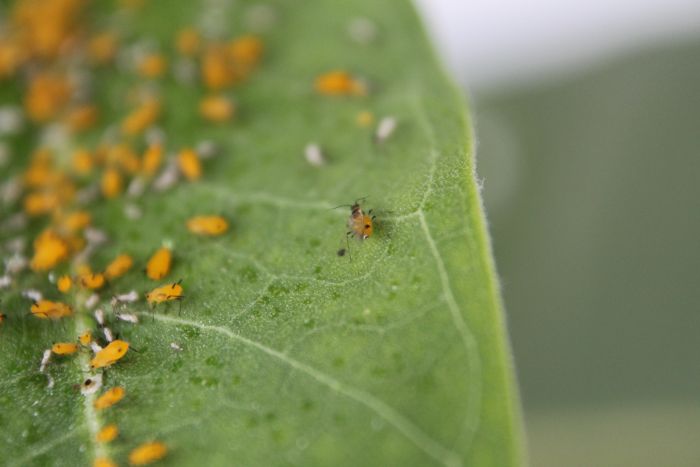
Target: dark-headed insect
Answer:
pixel 360 224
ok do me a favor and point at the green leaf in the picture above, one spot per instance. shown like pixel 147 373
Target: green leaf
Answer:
pixel 290 354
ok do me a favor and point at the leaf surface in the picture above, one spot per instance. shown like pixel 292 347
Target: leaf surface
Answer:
pixel 392 355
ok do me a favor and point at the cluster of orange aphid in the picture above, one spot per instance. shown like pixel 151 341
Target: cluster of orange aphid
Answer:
pixel 61 181
pixel 47 48
pixel 221 65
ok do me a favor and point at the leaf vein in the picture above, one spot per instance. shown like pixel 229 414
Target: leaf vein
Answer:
pixel 421 439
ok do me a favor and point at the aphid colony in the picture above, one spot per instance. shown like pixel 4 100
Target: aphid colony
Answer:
pixel 65 177
pixel 86 154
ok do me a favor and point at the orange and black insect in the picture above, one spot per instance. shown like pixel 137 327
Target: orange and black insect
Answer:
pixel 360 224
pixel 166 293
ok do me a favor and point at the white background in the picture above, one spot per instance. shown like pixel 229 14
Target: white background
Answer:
pixel 495 43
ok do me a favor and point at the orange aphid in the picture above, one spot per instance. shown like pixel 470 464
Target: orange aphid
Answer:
pixel 108 433
pixel 40 172
pixel 110 397
pixel 64 283
pixel 57 190
pixel 82 162
pixel 189 164
pixel 111 183
pixel 216 108
pixel 152 159
pixel 142 117
pixel 46 96
pixel 74 222
pixel 103 462
pixel 47 27
pixel 153 66
pixel 119 266
pixel 158 265
pixel 85 338
pixel 246 50
pixel 207 225
pixel 110 354
pixel 75 243
pixel 46 309
pixel 339 83
pixel 147 453
pixel 82 117
pixel 165 293
pixel 39 203
pixel 217 69
pixel 83 269
pixel 92 281
pixel 64 348
pixel 103 48
pixel 12 55
pixel 125 157
pixel 188 41
pixel 49 250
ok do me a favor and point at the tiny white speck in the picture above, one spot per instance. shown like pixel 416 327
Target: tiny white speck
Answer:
pixel 175 346
pixel 185 71
pixel 15 264
pixel 385 128
pixel 56 136
pixel 91 302
pixel 11 190
pixel 16 245
pixel 100 316
pixel 88 194
pixel 11 120
pixel 136 188
pixel 129 297
pixel 95 236
pixel 155 135
pixel 95 347
pixel 314 155
pixel 91 385
pixel 108 334
pixel 260 17
pixel 32 294
pixel 207 149
pixel 132 212
pixel 128 317
pixel 362 30
pixel 168 178
pixel 45 358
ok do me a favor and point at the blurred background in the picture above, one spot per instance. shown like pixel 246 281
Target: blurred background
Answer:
pixel 588 125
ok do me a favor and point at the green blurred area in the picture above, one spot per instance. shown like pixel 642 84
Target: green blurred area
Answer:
pixel 592 186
